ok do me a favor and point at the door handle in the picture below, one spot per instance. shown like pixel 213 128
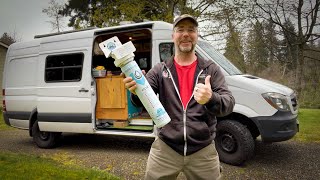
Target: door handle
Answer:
pixel 83 90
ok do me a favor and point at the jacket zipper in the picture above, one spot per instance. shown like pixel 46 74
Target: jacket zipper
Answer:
pixel 184 115
pixel 185 119
pixel 184 111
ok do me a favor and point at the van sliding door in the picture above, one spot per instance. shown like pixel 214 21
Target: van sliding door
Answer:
pixel 64 103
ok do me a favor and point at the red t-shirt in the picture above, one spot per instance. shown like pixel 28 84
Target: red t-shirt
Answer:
pixel 185 77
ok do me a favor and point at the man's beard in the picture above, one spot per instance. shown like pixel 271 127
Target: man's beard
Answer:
pixel 188 49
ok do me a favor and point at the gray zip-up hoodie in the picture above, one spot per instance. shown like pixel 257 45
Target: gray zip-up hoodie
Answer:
pixel 193 128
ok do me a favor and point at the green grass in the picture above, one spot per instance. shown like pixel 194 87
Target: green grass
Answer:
pixel 22 166
pixel 3 125
pixel 309 122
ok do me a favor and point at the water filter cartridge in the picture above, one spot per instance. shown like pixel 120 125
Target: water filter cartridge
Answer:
pixel 124 58
pixel 146 94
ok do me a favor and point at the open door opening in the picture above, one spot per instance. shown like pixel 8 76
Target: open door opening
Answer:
pixel 114 109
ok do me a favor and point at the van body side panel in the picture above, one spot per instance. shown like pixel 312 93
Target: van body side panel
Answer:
pixel 18 119
pixel 65 105
pixel 245 110
pixel 249 98
pixel 67 127
pixel 20 83
pixel 18 123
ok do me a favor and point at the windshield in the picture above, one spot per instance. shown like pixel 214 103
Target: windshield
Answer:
pixel 218 58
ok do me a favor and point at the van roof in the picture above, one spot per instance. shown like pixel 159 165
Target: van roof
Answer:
pixel 34 45
pixel 94 30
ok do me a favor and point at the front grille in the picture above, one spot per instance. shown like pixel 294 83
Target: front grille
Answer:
pixel 294 101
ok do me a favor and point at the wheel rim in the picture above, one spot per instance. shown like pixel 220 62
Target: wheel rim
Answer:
pixel 44 135
pixel 228 142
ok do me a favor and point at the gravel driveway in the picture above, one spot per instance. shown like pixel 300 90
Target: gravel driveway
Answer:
pixel 126 156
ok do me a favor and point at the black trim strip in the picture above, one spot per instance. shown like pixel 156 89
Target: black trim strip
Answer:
pixel 65 117
pixel 278 116
pixel 18 115
pixel 49 117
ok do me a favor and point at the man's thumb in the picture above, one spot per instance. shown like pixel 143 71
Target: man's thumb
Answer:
pixel 207 81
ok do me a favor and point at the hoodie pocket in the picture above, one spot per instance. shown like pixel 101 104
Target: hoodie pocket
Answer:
pixel 173 131
pixel 198 131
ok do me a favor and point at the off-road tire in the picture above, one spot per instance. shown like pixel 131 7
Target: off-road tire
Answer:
pixel 234 142
pixel 42 139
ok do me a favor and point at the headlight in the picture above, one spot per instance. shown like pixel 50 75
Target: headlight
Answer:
pixel 277 101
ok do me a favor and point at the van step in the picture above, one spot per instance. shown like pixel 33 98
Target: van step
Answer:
pixel 120 132
pixel 126 128
pixel 142 122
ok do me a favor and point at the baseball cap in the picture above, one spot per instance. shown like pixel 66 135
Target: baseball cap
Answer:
pixel 185 16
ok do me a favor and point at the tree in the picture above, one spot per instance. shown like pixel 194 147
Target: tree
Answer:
pixel 271 41
pixel 233 50
pixel 256 50
pixel 54 12
pixel 312 75
pixel 111 12
pixel 289 45
pixel 8 39
pixel 305 15
pixel 82 11
pixel 223 18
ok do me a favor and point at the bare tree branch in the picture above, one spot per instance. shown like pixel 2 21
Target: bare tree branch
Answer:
pixel 314 18
pixel 311 58
pixel 314 50
pixel 53 12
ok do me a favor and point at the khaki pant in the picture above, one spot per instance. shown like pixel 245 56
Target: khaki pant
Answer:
pixel 164 163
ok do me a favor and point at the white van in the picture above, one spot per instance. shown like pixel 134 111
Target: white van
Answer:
pixel 52 85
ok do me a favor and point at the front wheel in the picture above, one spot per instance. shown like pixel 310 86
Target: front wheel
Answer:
pixel 234 142
pixel 44 139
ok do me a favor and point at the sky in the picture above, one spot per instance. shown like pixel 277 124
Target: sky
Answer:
pixel 25 18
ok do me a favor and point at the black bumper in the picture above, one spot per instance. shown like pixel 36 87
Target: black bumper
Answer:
pixel 279 127
pixel 6 118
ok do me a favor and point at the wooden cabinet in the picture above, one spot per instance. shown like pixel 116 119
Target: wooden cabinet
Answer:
pixel 112 98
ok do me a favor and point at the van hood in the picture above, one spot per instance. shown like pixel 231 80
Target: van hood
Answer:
pixel 256 84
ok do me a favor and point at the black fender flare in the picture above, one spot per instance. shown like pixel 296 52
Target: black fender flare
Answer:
pixel 33 117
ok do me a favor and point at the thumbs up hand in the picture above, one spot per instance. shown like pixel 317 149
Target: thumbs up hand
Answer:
pixel 202 92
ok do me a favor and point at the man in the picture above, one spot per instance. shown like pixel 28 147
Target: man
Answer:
pixel 186 143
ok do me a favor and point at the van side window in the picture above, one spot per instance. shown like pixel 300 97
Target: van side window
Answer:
pixel 64 68
pixel 166 51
